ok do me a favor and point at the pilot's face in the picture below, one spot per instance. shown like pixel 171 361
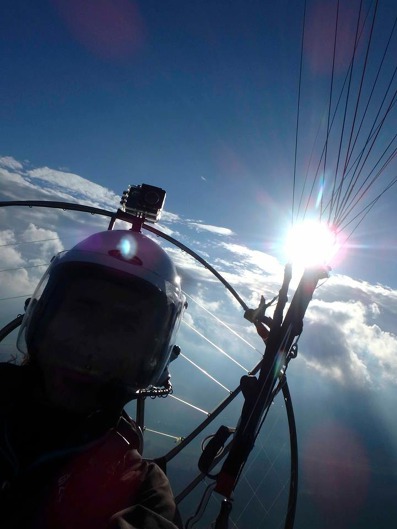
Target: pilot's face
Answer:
pixel 96 336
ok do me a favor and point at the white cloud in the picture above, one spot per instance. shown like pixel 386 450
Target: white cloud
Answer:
pixel 342 342
pixel 70 185
pixel 350 328
pixel 9 254
pixel 201 299
pixel 254 258
pixel 218 230
pixel 10 163
pixel 7 237
pixel 13 183
pixel 50 243
pixel 169 217
pixel 189 265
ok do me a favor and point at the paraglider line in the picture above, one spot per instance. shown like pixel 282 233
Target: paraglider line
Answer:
pixel 205 372
pixel 214 345
pixel 223 323
pixel 298 111
pixel 190 405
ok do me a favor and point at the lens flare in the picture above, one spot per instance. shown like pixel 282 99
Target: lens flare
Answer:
pixel 311 243
pixel 127 247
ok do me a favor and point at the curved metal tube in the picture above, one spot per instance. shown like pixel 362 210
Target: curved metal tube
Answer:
pixel 7 329
pixel 121 215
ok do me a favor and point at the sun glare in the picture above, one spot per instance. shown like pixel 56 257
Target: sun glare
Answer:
pixel 311 243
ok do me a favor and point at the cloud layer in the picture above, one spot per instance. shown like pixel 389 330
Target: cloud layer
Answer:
pixel 350 330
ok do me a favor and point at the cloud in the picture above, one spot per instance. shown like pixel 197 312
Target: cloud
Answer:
pixel 328 340
pixel 344 338
pixel 70 186
pixel 255 259
pixel 10 256
pixel 169 217
pixel 218 230
pixel 350 327
pixel 12 182
pixel 10 163
pixel 50 243
pixel 22 261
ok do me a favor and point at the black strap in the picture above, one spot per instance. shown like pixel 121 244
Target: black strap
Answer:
pixel 222 522
pixel 213 448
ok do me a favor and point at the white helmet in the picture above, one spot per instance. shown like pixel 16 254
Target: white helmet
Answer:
pixel 138 266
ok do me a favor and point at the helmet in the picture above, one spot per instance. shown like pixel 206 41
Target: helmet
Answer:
pixel 135 299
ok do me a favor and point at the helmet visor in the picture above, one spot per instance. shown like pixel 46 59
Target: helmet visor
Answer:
pixel 114 328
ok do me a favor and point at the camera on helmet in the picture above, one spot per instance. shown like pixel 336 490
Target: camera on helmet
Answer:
pixel 144 201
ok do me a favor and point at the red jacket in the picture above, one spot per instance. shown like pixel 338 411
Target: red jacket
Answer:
pixel 49 480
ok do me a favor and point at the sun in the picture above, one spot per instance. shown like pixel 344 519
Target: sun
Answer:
pixel 311 243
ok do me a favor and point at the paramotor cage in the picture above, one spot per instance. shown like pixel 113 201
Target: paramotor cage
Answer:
pixel 258 392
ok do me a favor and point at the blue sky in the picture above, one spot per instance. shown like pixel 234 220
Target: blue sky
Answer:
pixel 198 95
pixel 189 102
pixel 200 98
